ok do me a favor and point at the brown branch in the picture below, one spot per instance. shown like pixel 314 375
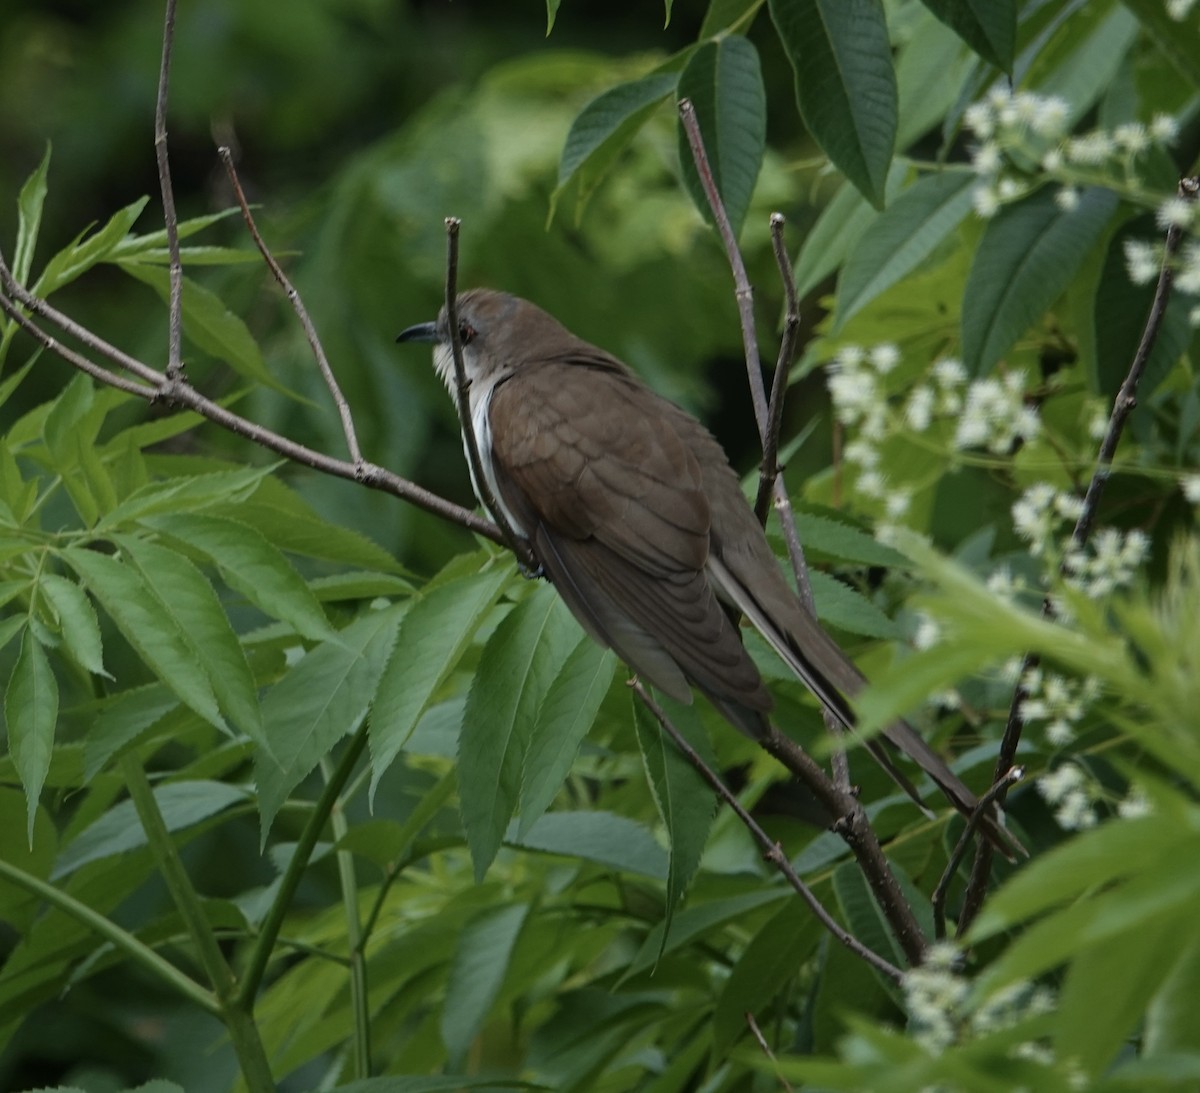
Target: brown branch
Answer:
pixel 771 850
pixel 765 1048
pixel 175 328
pixel 462 403
pixel 1123 404
pixel 310 331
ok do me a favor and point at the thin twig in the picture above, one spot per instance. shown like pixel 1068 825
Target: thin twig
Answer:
pixel 175 330
pixel 765 1048
pixel 310 331
pixel 462 401
pixel 182 394
pixel 1123 404
pixel 982 809
pixel 743 292
pixel 771 850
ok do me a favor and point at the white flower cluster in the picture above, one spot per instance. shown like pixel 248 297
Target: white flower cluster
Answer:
pixel 995 415
pixel 936 993
pixel 1191 488
pixel 1178 9
pixel 1040 512
pixel 1110 560
pixel 1067 788
pixel 1007 122
pixel 1135 805
pixel 1058 701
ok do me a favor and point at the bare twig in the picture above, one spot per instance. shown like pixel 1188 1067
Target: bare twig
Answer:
pixel 1123 404
pixel 771 850
pixel 310 331
pixel 999 787
pixel 765 1048
pixel 175 329
pixel 462 401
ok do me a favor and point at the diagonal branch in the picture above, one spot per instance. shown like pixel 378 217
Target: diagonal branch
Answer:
pixel 171 219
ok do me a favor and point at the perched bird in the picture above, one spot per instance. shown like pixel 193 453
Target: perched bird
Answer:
pixel 631 508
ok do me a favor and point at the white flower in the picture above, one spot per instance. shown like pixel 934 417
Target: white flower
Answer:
pixel 1132 136
pixel 1187 279
pixel 1092 149
pixel 1050 118
pixel 980 118
pixel 884 358
pixel 1163 128
pixel 1010 189
pixel 986 159
pixel 862 453
pixel 1135 806
pixel 950 372
pixel 1178 9
pixel 1053 160
pixel 1175 212
pixel 1056 785
pixel 1140 261
pixel 871 484
pixel 918 411
pixel 928 633
pixel 986 200
pixel 897 503
pixel 1067 199
pixel 1191 488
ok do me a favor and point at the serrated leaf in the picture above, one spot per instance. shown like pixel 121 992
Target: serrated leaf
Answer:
pixel 82 254
pixel 685 802
pixel 845 542
pixel 184 493
pixel 31 713
pixel 182 804
pixel 122 718
pixel 905 234
pixel 209 323
pixel 610 840
pixel 432 638
pixel 563 719
pixel 989 27
pixel 485 947
pixel 77 621
pixel 866 921
pixel 724 81
pixel 518 663
pixel 845 83
pixel 148 626
pixel 251 566
pixel 30 202
pixel 1028 255
pixel 841 606
pixel 839 227
pixel 197 611
pixel 324 696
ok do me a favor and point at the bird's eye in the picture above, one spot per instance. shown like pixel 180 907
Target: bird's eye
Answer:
pixel 466 333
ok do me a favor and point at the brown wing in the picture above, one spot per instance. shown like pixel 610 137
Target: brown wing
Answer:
pixel 621 522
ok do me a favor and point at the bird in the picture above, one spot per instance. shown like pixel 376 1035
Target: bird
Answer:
pixel 633 512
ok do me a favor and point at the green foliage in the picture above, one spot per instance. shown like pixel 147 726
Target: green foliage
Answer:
pixel 268 788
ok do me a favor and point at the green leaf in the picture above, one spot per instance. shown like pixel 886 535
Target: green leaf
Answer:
pixel 1177 39
pixel 433 636
pixel 197 611
pixel 603 129
pixel 122 718
pixel 519 662
pixel 136 246
pixel 840 605
pixel 903 237
pixel 727 15
pixel 989 27
pixel 148 626
pixel 845 542
pixel 485 948
pixel 31 712
pixel 81 255
pixel 1121 309
pixel 563 719
pixel 1171 1015
pixel 209 323
pixel 76 620
pixel 251 566
pixel 30 202
pixel 551 12
pixel 602 837
pixel 1028 255
pixel 685 802
pixel 845 83
pixel 324 696
pixel 864 918
pixel 184 493
pixel 182 805
pixel 724 81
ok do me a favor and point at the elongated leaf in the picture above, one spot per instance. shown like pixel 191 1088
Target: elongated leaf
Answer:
pixel 864 919
pixel 323 697
pixel 251 566
pixel 433 636
pixel 121 719
pixel 30 202
pixel 484 950
pixel 209 323
pixel 727 15
pixel 989 27
pixel 136 246
pixel 31 712
pixel 1028 255
pixel 601 837
pixel 81 255
pixel 563 719
pixel 184 493
pixel 685 802
pixel 845 83
pixel 182 804
pixel 148 626
pixel 519 662
pixel 201 619
pixel 840 605
pixel 1170 1016
pixel 77 621
pixel 724 81
pixel 845 542
pixel 1178 39
pixel 905 234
